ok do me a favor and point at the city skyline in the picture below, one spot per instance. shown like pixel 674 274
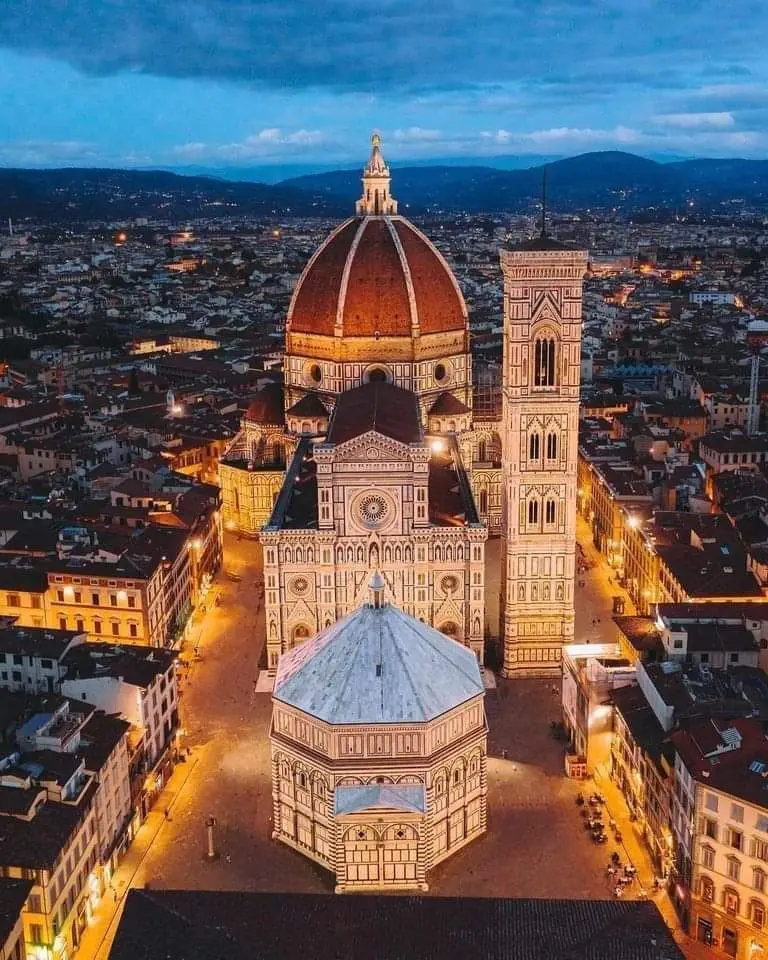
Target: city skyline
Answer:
pixel 235 84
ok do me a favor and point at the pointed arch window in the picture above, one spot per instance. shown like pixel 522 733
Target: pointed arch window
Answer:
pixel 483 502
pixel 533 512
pixel 544 361
pixel 534 446
pixel 550 511
pixel 551 446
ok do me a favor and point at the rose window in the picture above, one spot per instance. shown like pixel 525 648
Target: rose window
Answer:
pixel 449 584
pixel 300 585
pixel 373 509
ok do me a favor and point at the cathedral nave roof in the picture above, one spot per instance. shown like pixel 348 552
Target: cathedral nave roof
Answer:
pixel 378 406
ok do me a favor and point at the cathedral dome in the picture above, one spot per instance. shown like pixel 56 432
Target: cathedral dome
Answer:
pixel 377 276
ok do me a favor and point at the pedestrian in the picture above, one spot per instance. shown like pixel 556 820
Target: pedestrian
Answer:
pixel 167 813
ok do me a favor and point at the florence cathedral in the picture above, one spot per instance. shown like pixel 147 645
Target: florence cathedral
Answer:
pixel 370 461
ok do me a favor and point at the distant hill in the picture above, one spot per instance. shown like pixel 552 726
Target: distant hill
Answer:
pixel 103 194
pixel 277 172
pixel 598 181
pixel 592 180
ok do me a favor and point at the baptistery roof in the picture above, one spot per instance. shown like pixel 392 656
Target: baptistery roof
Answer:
pixel 377 275
pixel 378 665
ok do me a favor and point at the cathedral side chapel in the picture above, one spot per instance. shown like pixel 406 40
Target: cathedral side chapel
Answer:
pixel 378 457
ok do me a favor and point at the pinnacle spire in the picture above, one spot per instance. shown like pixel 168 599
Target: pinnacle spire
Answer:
pixel 376 199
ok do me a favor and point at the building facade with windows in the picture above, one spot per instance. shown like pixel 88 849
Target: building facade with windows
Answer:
pixel 722 773
pixel 378 772
pixel 31 659
pixel 137 683
pixel 13 898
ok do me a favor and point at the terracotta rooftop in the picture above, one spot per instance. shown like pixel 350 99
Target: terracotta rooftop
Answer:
pixel 378 406
pixel 447 404
pixel 310 405
pixel 267 406
pixel 200 925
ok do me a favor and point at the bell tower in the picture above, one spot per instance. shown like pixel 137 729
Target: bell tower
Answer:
pixel 376 199
pixel 543 282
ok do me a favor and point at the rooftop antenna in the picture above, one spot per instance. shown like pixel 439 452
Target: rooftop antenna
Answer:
pixel 544 202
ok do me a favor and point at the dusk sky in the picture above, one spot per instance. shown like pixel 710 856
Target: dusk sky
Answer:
pixel 241 82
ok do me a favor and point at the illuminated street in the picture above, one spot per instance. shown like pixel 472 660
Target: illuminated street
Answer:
pixel 532 813
pixel 536 845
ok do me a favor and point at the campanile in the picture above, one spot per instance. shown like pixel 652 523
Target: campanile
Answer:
pixel 543 282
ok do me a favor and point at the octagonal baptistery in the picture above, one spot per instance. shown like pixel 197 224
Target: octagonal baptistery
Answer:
pixel 377 301
pixel 378 745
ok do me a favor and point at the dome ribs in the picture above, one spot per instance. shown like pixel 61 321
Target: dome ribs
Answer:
pixel 375 273
pixel 376 299
pixel 317 297
pixel 441 307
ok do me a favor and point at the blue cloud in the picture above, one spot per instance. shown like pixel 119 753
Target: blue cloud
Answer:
pixel 390 44
pixel 147 81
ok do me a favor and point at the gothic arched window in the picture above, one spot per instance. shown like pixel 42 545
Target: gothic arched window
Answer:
pixel 483 502
pixel 550 511
pixel 551 446
pixel 482 451
pixel 533 512
pixel 544 365
pixel 534 446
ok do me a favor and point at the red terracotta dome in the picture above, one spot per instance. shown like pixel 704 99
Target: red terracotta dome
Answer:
pixel 266 408
pixel 377 276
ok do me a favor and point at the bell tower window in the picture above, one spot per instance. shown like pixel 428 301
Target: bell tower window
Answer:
pixel 551 446
pixel 534 446
pixel 544 362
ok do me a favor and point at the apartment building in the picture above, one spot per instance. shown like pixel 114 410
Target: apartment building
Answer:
pixel 732 450
pixel 674 557
pixel 140 685
pixel 591 672
pixel 13 899
pixel 23 592
pixel 104 750
pixel 721 802
pixel 31 657
pixel 48 826
pixel 641 764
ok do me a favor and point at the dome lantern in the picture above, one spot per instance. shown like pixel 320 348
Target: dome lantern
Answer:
pixel 376 199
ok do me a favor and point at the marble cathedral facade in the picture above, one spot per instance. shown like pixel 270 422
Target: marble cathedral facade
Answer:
pixel 377 304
